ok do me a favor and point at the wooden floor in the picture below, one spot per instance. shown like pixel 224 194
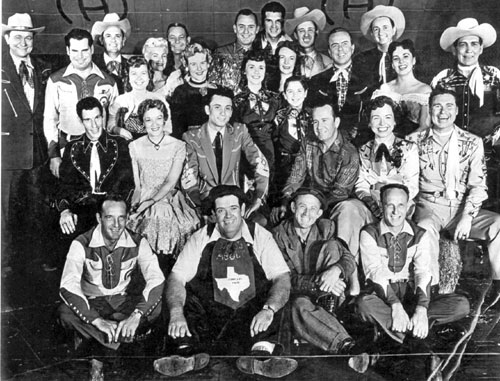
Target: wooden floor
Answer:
pixel 33 349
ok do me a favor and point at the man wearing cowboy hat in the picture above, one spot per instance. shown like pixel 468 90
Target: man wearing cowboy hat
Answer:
pixel 24 148
pixel 112 33
pixel 382 25
pixel 305 27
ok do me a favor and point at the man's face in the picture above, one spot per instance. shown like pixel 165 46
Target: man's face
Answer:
pixel 306 210
pixel 444 110
pixel 198 67
pixel 395 207
pixel 178 39
pixel 273 24
pixel 113 219
pixel 340 48
pixel 245 30
pixel 325 124
pixel 468 50
pixel 113 40
pixel 382 121
pixel 382 30
pixel 219 110
pixel 229 215
pixel 92 121
pixel 306 34
pixel 80 53
pixel 20 43
pixel 287 59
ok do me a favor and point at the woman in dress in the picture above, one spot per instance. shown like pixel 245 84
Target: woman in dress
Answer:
pixel 166 78
pixel 409 93
pixel 188 108
pixel 123 117
pixel 178 38
pixel 160 212
pixel 288 63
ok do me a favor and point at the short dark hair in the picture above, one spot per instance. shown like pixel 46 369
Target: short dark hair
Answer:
pixel 149 104
pixel 114 197
pixel 405 44
pixel 88 103
pixel 246 12
pixel 78 34
pixel 257 55
pixel 296 78
pixel 338 30
pixel 388 187
pixel 177 25
pixel 227 190
pixel 272 6
pixel 439 91
pixel 380 102
pixel 321 101
pixel 221 92
pixel 135 62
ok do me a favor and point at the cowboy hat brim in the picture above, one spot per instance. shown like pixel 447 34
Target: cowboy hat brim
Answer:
pixel 484 31
pixel 100 26
pixel 316 16
pixel 6 29
pixel 391 12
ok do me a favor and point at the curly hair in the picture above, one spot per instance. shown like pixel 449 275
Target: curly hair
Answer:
pixel 149 104
pixel 294 47
pixel 136 62
pixel 191 50
pixel 252 55
pixel 159 42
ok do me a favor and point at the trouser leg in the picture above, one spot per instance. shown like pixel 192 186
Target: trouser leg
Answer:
pixel 447 308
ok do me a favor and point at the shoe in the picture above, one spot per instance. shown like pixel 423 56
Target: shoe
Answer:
pixel 361 362
pixel 177 365
pixel 432 363
pixel 274 367
pixel 96 372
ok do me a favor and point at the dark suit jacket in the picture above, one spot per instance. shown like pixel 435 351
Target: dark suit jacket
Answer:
pixel 23 142
pixel 367 63
pixel 74 180
pixel 98 59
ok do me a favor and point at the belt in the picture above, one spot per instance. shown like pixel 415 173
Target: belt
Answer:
pixel 437 194
pixel 398 280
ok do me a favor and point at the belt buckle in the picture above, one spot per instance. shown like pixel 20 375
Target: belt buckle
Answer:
pixel 436 194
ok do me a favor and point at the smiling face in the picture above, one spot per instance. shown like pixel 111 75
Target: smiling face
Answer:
pixel 138 77
pixel 287 59
pixel 295 94
pixel 382 30
pixel 255 72
pixel 395 207
pixel 245 30
pixel 20 43
pixel 92 121
pixel 402 61
pixel 306 210
pixel 154 122
pixel 382 122
pixel 306 34
pixel 468 50
pixel 325 124
pixel 444 110
pixel 158 56
pixel 272 25
pixel 340 48
pixel 112 219
pixel 219 111
pixel 229 215
pixel 80 53
pixel 198 67
pixel 178 39
pixel 113 40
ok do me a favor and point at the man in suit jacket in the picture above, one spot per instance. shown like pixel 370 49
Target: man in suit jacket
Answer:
pixel 112 33
pixel 214 151
pixel 24 149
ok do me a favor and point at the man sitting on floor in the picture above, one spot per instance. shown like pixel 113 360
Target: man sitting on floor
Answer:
pixel 98 302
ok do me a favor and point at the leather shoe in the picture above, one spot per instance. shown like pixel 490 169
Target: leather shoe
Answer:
pixel 274 367
pixel 361 362
pixel 177 365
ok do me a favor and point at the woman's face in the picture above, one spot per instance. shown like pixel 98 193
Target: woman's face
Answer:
pixel 295 94
pixel 138 77
pixel 402 61
pixel 287 58
pixel 382 121
pixel 198 67
pixel 158 56
pixel 255 72
pixel 154 122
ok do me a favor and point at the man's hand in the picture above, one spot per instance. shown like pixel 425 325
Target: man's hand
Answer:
pixel 329 281
pixel 261 322
pixel 178 327
pixel 420 322
pixel 254 207
pixel 462 230
pixel 400 319
pixel 277 214
pixel 106 326
pixel 54 165
pixel 124 133
pixel 128 327
pixel 68 221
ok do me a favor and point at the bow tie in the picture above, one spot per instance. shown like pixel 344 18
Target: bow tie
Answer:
pixel 382 151
pixel 114 66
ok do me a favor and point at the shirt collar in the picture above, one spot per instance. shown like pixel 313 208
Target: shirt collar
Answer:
pixel 385 229
pixel 97 239
pixel 108 59
pixel 102 141
pixel 389 142
pixel 245 234
pixel 17 61
pixel 212 133
pixel 71 70
pixel 431 133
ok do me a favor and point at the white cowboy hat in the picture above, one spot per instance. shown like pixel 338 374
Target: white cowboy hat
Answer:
pixel 20 22
pixel 468 27
pixel 111 19
pixel 303 14
pixel 391 12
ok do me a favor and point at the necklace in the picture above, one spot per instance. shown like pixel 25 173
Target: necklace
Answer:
pixel 156 145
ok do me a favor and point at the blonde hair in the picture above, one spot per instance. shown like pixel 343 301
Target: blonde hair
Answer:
pixel 154 42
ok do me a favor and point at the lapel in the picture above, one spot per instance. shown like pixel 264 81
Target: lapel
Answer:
pixel 227 149
pixel 37 78
pixel 15 80
pixel 206 145
pixel 293 249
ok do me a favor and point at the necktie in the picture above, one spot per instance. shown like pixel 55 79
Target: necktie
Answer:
pixel 95 167
pixel 25 75
pixel 218 154
pixel 114 67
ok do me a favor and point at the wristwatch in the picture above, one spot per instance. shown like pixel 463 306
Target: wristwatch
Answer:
pixel 268 307
pixel 137 311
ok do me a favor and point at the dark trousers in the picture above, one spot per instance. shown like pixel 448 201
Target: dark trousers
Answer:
pixel 115 307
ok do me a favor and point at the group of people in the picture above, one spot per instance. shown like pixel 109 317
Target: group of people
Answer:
pixel 251 187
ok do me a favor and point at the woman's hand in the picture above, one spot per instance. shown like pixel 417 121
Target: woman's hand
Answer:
pixel 144 205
